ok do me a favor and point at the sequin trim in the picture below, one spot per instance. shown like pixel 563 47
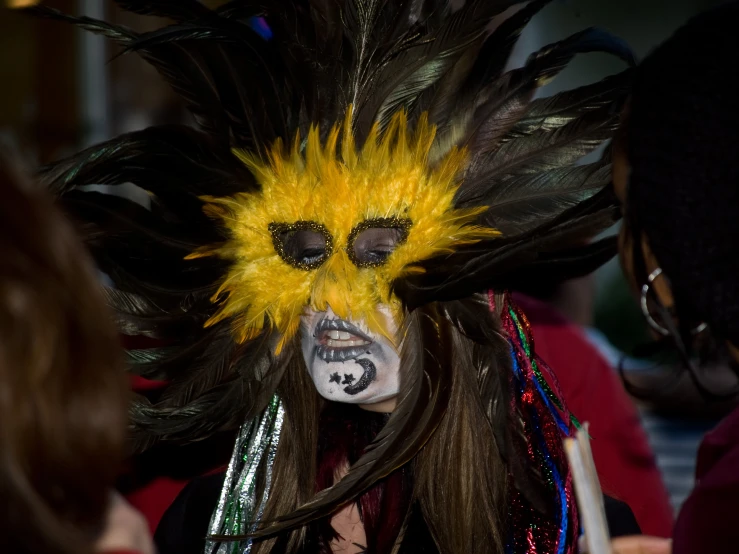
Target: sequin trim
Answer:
pixel 403 224
pixel 279 229
pixel 546 421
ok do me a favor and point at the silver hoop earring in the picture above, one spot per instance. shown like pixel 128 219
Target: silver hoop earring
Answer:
pixel 662 330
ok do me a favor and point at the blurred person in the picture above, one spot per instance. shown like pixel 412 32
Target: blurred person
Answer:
pixel 677 175
pixel 63 395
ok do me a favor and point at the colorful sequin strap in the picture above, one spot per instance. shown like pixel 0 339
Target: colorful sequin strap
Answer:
pixel 239 510
pixel 537 400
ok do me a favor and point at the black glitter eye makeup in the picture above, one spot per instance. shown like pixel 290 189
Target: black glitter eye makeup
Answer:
pixel 303 244
pixel 372 241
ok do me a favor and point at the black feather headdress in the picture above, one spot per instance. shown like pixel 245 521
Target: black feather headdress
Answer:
pixel 379 57
pixel 512 202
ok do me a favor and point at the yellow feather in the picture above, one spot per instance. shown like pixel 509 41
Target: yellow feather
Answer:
pixel 388 177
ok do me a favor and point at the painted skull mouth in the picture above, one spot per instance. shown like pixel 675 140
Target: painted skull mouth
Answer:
pixel 338 340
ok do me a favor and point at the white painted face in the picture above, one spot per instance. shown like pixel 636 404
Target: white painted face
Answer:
pixel 348 363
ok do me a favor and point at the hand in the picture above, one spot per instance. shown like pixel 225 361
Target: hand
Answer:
pixel 125 529
pixel 641 545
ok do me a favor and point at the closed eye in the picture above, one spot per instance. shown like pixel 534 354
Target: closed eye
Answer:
pixel 372 246
pixel 305 247
pixel 303 244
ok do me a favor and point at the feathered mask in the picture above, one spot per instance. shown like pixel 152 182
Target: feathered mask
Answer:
pixel 327 230
pixel 361 152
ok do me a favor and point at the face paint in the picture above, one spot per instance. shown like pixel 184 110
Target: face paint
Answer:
pixel 347 362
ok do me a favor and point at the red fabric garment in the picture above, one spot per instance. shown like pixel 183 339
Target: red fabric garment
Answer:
pixel 153 499
pixel 593 392
pixel 709 518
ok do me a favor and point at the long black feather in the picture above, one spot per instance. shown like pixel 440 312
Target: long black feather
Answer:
pixel 171 159
pixel 139 315
pixel 497 48
pixel 217 391
pixel 173 9
pixel 491 105
pixel 522 202
pixel 553 112
pixel 117 33
pixel 493 264
pixel 422 63
pixel 125 218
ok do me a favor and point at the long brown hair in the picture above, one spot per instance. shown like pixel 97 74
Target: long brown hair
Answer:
pixel 459 477
pixel 63 394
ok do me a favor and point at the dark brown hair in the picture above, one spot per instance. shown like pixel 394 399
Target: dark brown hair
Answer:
pixel 679 137
pixel 460 477
pixel 683 196
pixel 63 394
pixel 464 509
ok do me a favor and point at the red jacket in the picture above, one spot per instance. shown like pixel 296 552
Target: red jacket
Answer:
pixel 592 392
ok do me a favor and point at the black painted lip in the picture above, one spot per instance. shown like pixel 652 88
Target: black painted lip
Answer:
pixel 333 354
pixel 340 354
pixel 327 324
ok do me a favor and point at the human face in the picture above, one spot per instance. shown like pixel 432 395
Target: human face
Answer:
pixel 348 363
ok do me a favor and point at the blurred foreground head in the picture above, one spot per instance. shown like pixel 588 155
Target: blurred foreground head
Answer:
pixel 62 389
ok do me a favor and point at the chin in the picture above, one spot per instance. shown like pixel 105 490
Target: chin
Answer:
pixel 366 397
pixel 368 401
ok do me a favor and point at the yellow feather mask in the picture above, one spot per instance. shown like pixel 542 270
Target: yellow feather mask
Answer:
pixel 334 192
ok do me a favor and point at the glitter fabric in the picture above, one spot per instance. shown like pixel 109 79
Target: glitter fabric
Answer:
pixel 239 510
pixel 527 338
pixel 546 423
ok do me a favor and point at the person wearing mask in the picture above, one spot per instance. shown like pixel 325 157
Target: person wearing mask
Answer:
pixel 341 306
